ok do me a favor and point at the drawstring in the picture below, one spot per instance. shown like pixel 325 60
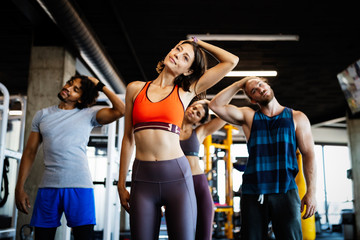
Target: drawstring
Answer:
pixel 261 198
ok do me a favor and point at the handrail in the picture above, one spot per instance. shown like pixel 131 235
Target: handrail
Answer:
pixel 4 109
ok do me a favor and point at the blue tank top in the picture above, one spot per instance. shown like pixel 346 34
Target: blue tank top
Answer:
pixel 191 145
pixel 272 163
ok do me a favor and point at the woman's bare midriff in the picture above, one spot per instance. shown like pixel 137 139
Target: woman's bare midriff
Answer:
pixel 195 165
pixel 157 145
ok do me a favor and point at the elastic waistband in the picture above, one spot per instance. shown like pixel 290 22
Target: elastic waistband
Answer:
pixel 157 125
pixel 161 171
pixel 193 154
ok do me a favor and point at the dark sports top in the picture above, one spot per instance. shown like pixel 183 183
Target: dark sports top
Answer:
pixel 166 114
pixel 191 145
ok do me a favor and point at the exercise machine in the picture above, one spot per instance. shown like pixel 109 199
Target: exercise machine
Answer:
pixel 224 212
pixel 11 147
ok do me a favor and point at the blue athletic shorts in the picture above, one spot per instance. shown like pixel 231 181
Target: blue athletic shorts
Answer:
pixel 78 204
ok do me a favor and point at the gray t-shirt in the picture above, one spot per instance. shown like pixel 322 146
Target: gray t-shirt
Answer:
pixel 65 135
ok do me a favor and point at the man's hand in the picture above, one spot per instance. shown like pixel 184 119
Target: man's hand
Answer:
pixel 94 80
pixel 310 202
pixel 22 201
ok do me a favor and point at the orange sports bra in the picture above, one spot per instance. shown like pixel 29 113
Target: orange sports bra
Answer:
pixel 166 114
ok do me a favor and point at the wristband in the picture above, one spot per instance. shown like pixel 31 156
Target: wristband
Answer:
pixel 195 39
pixel 99 86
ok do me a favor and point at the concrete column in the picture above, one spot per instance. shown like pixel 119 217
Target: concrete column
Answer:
pixel 50 68
pixel 353 126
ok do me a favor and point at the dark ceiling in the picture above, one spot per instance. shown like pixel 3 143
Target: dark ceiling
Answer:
pixel 135 35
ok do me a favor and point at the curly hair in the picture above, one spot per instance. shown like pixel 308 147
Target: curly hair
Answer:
pixel 198 67
pixel 89 92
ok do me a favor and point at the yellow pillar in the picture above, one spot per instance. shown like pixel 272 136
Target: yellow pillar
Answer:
pixel 229 165
pixel 207 156
pixel 307 225
pixel 228 210
pixel 229 226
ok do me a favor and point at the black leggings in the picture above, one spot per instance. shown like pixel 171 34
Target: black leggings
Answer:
pixel 205 206
pixel 84 232
pixel 166 183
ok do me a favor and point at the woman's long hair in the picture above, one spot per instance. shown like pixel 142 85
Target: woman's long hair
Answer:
pixel 198 67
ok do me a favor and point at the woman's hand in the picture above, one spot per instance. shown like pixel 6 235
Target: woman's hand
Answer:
pixel 124 198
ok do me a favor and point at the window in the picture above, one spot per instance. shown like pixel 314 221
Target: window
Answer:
pixel 334 189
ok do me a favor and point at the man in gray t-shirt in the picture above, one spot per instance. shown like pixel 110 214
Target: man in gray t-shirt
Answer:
pixel 64 131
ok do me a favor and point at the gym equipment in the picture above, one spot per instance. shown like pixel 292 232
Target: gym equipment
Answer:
pixel 10 158
pixel 222 212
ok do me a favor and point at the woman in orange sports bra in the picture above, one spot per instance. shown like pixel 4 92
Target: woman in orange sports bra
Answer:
pixel 161 174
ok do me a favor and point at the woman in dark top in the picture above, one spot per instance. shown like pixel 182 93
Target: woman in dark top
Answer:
pixel 194 129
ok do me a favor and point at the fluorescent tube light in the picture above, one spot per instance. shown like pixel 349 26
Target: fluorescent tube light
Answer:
pixel 252 73
pixel 237 96
pixel 245 37
pixel 15 112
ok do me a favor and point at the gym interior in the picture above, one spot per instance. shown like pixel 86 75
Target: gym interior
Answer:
pixel 45 42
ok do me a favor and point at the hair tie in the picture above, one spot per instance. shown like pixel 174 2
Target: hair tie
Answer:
pixel 195 39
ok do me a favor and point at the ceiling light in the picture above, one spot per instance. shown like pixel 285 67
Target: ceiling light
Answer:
pixel 241 95
pixel 244 37
pixel 15 112
pixel 252 73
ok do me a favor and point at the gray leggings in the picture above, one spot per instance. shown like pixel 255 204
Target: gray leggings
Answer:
pixel 162 183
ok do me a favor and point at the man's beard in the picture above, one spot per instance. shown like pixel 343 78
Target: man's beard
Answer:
pixel 60 97
pixel 264 102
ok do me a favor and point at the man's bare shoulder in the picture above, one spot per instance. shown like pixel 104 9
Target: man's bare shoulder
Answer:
pixel 247 115
pixel 299 115
pixel 247 109
pixel 300 119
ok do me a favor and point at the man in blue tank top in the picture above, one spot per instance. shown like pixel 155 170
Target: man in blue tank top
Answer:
pixel 64 132
pixel 273 133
